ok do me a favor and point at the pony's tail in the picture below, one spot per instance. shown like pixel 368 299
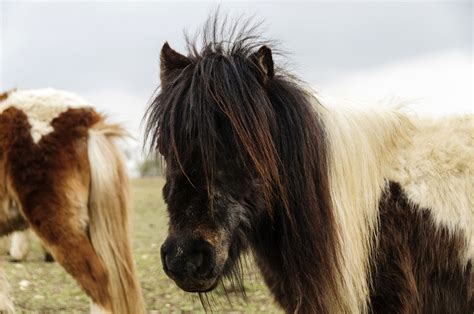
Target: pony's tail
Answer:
pixel 108 214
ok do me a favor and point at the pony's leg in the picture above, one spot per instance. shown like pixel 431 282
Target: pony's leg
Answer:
pixel 48 257
pixel 20 245
pixel 67 240
pixel 5 244
pixel 62 223
pixel 6 303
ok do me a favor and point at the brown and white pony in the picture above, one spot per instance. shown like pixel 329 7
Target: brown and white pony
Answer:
pixel 62 175
pixel 345 210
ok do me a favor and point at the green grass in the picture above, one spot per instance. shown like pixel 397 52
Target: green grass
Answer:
pixel 46 288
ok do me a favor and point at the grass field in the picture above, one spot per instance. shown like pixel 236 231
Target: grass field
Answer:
pixel 40 287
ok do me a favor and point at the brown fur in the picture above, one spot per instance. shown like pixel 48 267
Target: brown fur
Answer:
pixel 246 155
pixel 11 222
pixel 411 274
pixel 4 95
pixel 11 219
pixel 52 183
pixel 48 181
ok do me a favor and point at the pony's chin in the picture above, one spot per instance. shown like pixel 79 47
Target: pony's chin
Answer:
pixel 199 287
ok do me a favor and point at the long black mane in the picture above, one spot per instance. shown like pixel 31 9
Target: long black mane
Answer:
pixel 224 105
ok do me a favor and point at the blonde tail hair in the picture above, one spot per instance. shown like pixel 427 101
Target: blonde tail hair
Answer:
pixel 108 212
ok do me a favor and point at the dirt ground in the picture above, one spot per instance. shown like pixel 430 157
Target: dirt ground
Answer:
pixel 39 287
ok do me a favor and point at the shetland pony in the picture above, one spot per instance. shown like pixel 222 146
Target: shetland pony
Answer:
pixel 62 175
pixel 344 210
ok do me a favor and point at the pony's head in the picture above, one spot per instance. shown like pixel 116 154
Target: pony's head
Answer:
pixel 214 124
pixel 244 155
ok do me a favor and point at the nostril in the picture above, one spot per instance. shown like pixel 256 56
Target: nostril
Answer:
pixel 165 257
pixel 194 263
pixel 187 258
pixel 198 259
pixel 167 261
pixel 202 263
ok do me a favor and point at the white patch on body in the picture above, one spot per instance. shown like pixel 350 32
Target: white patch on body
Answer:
pixel 360 143
pixel 432 160
pixel 436 171
pixel 42 106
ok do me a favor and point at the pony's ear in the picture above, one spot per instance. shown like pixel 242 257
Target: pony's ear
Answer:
pixel 171 61
pixel 263 59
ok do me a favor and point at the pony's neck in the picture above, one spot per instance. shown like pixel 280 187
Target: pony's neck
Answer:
pixel 273 268
pixel 362 145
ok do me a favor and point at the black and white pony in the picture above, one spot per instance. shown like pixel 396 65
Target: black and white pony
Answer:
pixel 345 210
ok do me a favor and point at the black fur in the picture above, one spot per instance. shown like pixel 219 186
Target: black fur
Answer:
pixel 246 153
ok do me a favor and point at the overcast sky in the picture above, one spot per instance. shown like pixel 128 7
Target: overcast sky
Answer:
pixel 108 51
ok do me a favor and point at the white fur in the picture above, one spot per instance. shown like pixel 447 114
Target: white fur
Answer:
pixel 20 245
pixel 436 171
pixel 41 107
pixel 360 145
pixel 108 227
pixel 433 161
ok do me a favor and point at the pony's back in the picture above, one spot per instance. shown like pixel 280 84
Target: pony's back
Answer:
pixel 435 168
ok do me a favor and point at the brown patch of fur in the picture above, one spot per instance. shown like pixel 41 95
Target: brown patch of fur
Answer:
pixel 4 95
pixel 11 219
pixel 11 224
pixel 49 180
pixel 418 263
pixel 212 236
